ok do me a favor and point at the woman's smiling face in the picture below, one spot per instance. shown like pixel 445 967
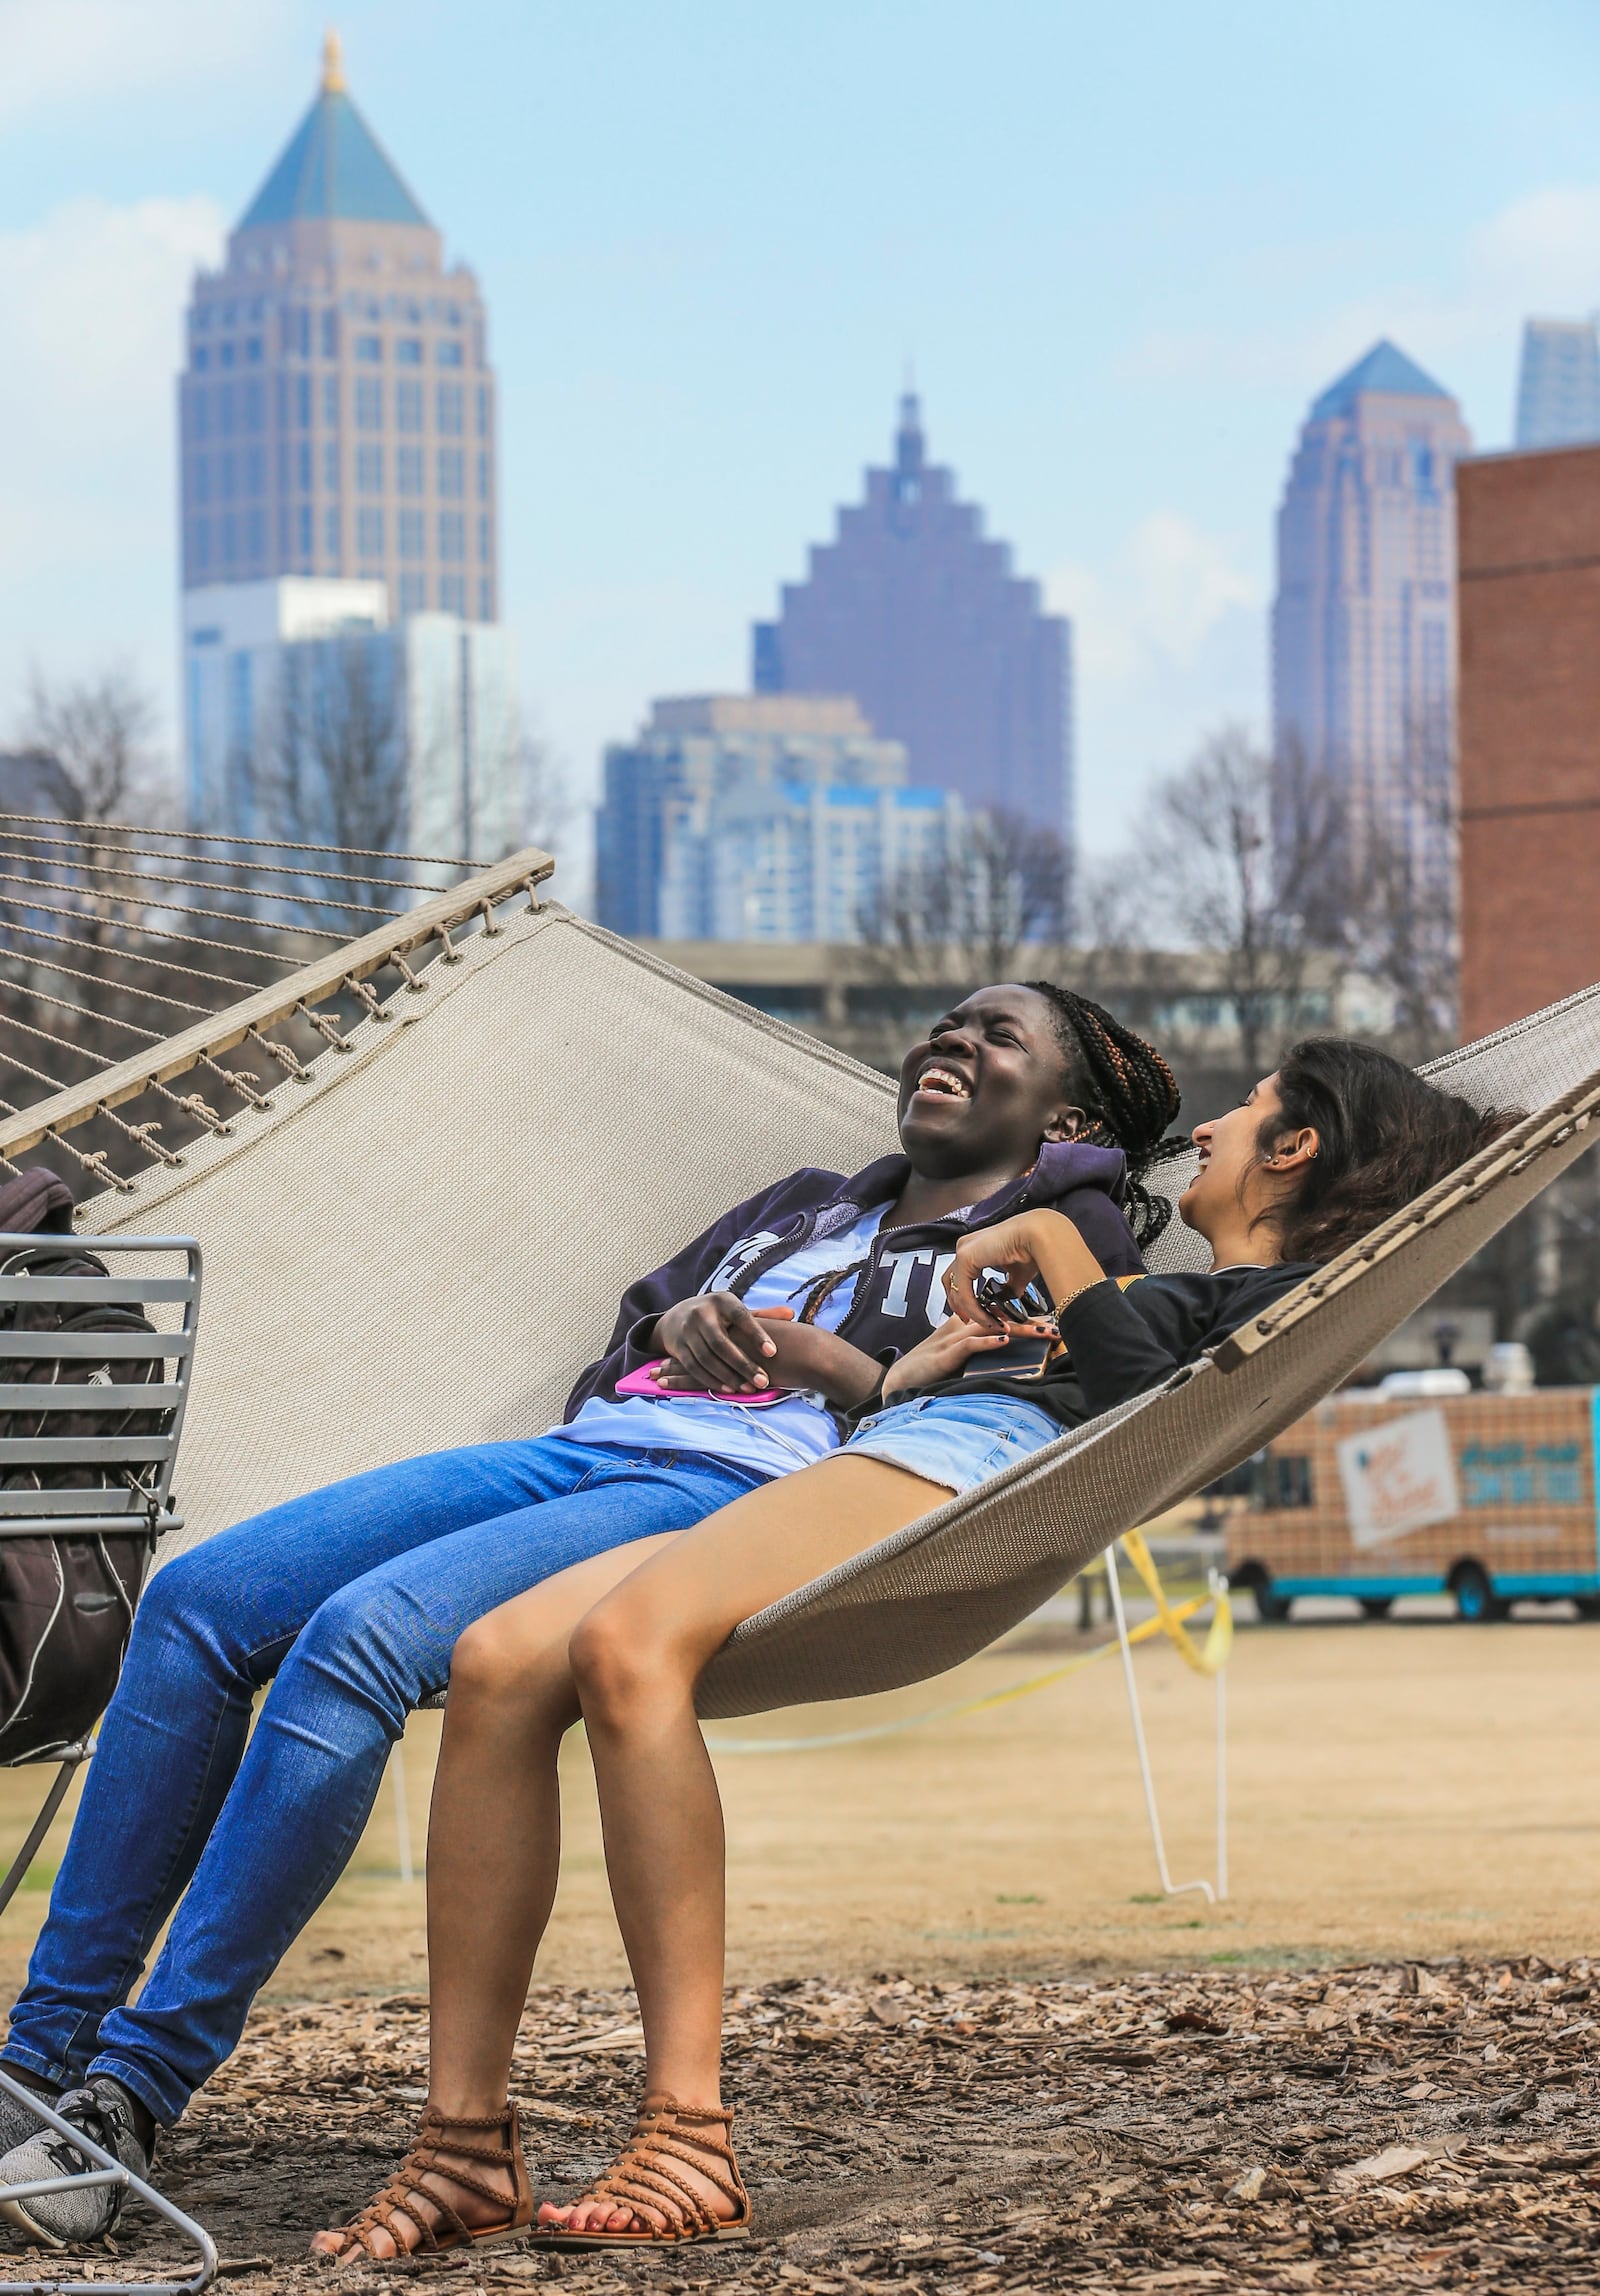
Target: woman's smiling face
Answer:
pixel 1229 1149
pixel 986 1085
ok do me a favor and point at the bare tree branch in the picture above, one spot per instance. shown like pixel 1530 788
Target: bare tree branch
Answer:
pixel 330 766
pixel 1008 890
pixel 99 731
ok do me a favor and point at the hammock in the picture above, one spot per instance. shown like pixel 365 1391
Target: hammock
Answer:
pixel 418 1242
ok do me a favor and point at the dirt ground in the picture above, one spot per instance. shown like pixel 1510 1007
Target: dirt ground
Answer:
pixel 949 2075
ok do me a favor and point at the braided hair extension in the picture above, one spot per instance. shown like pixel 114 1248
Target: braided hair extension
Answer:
pixel 1129 1093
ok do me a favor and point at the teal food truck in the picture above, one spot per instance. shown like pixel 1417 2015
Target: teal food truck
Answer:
pixel 1489 1498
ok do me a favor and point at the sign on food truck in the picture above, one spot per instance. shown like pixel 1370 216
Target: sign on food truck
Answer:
pixel 1398 1478
pixel 1491 1498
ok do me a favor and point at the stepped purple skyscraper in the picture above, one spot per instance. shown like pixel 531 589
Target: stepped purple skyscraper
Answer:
pixel 337 411
pixel 920 617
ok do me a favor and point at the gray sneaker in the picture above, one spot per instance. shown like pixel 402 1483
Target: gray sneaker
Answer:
pixel 104 2113
pixel 17 2124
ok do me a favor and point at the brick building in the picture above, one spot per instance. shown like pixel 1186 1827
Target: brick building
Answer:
pixel 1529 731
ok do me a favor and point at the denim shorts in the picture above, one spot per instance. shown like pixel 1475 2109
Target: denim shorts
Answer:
pixel 956 1440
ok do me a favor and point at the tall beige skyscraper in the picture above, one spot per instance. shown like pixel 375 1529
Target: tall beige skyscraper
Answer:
pixel 337 411
pixel 1363 625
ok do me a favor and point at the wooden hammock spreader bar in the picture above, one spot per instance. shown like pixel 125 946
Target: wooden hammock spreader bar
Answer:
pixel 310 983
pixel 1546 1128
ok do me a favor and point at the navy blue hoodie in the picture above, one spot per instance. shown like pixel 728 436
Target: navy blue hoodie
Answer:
pixel 899 1296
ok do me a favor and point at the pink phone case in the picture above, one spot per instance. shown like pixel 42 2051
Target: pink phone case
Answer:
pixel 644 1382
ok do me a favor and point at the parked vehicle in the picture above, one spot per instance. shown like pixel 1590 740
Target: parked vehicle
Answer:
pixel 1488 1497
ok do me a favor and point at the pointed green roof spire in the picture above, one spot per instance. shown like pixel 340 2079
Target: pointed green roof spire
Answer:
pixel 1385 368
pixel 333 167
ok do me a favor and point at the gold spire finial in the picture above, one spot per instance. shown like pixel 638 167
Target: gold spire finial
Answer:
pixel 332 64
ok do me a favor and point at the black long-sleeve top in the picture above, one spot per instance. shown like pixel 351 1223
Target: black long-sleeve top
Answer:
pixel 1120 1339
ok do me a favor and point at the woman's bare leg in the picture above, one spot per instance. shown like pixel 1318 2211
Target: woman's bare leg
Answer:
pixel 494 1845
pixel 636 1660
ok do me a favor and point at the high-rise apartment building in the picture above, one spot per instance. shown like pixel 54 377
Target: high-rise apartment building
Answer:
pixel 916 614
pixel 1558 386
pixel 311 713
pixel 765 817
pixel 337 410
pixel 1363 624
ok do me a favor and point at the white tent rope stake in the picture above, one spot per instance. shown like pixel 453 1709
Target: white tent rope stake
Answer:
pixel 1170 1888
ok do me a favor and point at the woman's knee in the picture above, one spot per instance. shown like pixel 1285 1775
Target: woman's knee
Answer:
pixel 496 1666
pixel 187 1596
pixel 621 1660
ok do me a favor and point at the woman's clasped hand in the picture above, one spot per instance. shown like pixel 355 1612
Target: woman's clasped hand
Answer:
pixel 717 1345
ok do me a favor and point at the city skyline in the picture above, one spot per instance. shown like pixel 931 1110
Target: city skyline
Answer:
pixel 1114 337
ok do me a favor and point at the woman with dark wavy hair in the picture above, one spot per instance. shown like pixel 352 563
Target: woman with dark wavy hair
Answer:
pixel 1340 1137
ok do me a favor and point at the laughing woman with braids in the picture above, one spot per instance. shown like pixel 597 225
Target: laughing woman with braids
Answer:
pixel 1320 1152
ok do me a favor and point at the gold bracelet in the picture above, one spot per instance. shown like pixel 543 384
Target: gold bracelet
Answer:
pixel 1063 1305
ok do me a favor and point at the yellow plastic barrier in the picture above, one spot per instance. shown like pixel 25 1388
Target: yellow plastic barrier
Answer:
pixel 1213 1656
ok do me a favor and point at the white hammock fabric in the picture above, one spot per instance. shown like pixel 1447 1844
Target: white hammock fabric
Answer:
pixel 423 1244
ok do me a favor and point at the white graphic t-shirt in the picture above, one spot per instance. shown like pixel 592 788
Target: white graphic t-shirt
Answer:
pixel 776 1438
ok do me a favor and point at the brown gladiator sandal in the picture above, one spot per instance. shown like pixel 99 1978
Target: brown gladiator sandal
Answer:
pixel 644 2178
pixel 437 2137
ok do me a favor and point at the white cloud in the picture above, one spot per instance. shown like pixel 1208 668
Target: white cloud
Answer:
pixel 94 295
pixel 1539 256
pixel 1155 604
pixel 1168 642
pixel 70 50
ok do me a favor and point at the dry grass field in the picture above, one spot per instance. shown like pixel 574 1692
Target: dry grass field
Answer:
pixel 1403 1790
pixel 1413 1793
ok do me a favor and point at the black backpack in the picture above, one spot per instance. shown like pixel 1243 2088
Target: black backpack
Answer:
pixel 67 1602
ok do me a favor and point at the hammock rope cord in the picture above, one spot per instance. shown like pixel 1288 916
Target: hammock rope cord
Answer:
pixel 232 917
pixel 128 956
pixel 88 847
pixel 135 928
pixel 191 1104
pixel 144 1134
pixel 235 1079
pixel 153 885
pixel 269 844
pixel 118 895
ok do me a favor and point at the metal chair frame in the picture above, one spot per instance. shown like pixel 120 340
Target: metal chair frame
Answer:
pixel 145 1506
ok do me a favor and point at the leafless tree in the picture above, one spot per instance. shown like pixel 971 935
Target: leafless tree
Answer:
pixel 971 916
pixel 1246 862
pixel 330 766
pixel 92 741
pixel 100 732
pixel 546 807
pixel 1402 917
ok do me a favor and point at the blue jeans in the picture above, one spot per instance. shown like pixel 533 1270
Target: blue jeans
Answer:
pixel 353 1598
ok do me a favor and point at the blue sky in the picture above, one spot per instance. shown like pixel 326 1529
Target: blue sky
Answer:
pixel 1123 247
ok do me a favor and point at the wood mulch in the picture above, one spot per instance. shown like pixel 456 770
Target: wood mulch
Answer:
pixel 1375 2129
